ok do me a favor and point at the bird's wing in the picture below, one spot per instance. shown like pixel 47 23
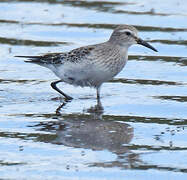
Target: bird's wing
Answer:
pixel 75 55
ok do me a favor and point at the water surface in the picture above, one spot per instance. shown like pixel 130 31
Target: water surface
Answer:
pixel 141 134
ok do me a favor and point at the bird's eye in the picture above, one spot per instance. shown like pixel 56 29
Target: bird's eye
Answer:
pixel 127 33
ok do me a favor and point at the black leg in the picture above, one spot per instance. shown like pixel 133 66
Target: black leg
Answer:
pixel 53 85
pixel 99 105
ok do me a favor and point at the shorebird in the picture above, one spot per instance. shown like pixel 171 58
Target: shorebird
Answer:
pixel 91 65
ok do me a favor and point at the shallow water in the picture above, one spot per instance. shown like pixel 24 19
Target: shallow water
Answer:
pixel 142 132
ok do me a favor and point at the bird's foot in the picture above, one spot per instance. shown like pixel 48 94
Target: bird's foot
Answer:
pixel 59 108
pixel 68 98
pixel 96 109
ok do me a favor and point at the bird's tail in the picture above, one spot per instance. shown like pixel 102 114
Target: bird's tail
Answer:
pixel 46 59
pixel 33 59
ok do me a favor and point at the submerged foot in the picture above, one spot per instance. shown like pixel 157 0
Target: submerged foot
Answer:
pixel 97 108
pixel 68 98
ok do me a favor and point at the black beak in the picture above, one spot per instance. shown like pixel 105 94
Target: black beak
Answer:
pixel 144 43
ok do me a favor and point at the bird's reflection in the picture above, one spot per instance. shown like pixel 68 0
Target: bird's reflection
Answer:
pixel 96 135
pixel 91 130
pixel 96 111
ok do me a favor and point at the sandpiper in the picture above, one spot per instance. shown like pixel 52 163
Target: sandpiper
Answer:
pixel 91 65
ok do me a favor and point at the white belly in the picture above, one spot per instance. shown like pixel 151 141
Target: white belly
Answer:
pixel 88 74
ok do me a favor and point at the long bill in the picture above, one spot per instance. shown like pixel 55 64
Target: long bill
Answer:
pixel 144 43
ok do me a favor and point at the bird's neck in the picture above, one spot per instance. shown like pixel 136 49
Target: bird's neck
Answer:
pixel 121 48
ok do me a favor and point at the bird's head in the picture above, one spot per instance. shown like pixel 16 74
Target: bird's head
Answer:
pixel 125 35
